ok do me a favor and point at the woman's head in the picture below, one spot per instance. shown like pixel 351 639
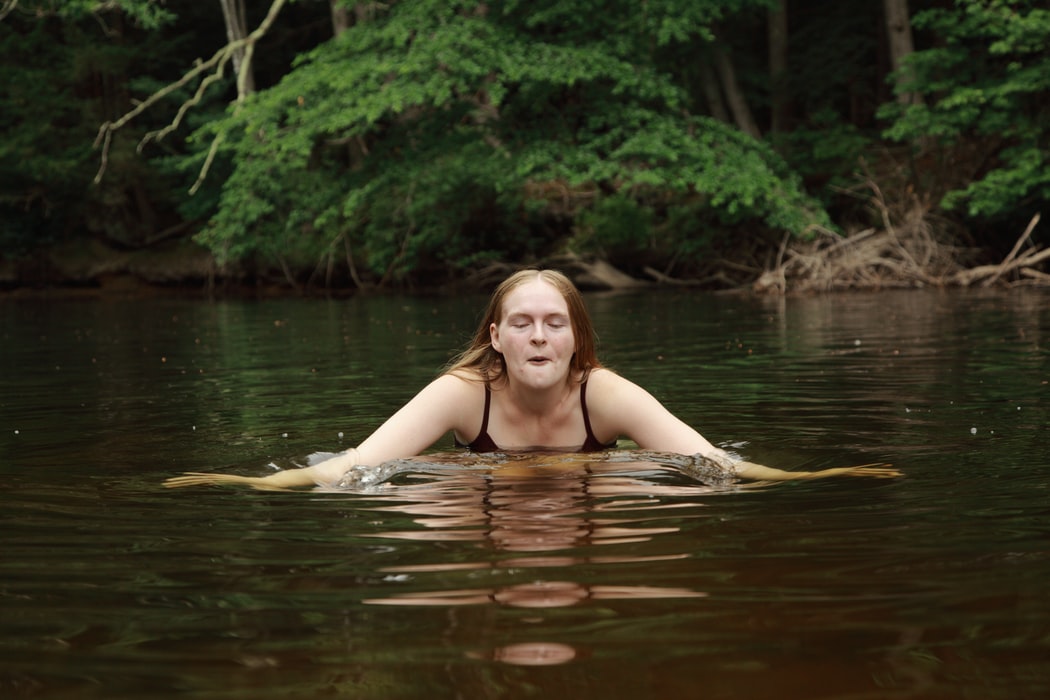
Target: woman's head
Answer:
pixel 482 357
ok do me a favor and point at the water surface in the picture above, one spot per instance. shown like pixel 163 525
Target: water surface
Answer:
pixel 612 578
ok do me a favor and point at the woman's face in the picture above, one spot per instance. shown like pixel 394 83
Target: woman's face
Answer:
pixel 534 335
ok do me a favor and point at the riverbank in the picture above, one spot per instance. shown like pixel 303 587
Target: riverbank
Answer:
pixel 905 253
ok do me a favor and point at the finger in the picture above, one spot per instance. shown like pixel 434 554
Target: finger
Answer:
pixel 198 479
pixel 876 472
pixel 179 482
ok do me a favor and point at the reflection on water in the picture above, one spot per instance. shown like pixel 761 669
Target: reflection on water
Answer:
pixel 539 512
pixel 626 576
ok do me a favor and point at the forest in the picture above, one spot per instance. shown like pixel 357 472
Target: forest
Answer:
pixel 337 145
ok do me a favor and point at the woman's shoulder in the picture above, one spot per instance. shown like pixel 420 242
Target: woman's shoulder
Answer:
pixel 459 395
pixel 607 388
pixel 463 375
pixel 603 378
pixel 461 383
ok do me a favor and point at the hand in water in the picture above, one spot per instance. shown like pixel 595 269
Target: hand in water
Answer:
pixel 758 472
pixel 877 470
pixel 212 479
pixel 712 471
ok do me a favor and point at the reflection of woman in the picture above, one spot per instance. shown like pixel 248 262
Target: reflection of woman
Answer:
pixel 529 380
pixel 544 521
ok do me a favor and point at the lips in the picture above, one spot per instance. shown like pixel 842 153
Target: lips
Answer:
pixel 538 359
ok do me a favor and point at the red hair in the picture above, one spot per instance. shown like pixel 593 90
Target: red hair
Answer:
pixel 481 358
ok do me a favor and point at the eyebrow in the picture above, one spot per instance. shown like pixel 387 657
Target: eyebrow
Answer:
pixel 522 314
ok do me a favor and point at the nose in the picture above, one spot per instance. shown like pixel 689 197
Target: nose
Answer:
pixel 537 334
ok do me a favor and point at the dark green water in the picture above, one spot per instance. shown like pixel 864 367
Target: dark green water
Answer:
pixel 625 580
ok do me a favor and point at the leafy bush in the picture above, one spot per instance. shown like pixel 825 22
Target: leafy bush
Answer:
pixel 435 134
pixel 986 83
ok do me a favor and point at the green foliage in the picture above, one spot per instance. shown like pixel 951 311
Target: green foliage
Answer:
pixel 68 70
pixel 433 134
pixel 45 154
pixel 437 135
pixel 148 14
pixel 826 149
pixel 987 80
pixel 617 227
pixel 833 85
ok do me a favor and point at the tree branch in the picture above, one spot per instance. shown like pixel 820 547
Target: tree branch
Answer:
pixel 7 8
pixel 186 106
pixel 217 62
pixel 1004 265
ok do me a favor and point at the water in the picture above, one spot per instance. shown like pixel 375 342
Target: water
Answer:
pixel 608 579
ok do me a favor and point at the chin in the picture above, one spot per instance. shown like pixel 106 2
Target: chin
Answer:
pixel 543 382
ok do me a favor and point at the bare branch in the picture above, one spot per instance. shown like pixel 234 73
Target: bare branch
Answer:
pixel 7 8
pixel 186 106
pixel 106 130
pixel 216 63
pixel 1005 264
pixel 203 174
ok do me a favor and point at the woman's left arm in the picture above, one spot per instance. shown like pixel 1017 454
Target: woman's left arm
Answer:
pixel 618 406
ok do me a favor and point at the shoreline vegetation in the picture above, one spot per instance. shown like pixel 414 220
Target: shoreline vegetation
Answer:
pixel 905 252
pixel 335 148
pixel 912 247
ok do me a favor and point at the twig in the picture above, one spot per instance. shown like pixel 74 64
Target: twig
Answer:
pixel 967 277
pixel 1013 252
pixel 350 263
pixel 216 142
pixel 288 273
pixel 1036 275
pixel 159 134
pixel 667 279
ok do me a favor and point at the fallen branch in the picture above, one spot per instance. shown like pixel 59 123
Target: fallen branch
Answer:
pixel 667 279
pixel 905 251
pixel 1036 275
pixel 968 277
pixel 1013 252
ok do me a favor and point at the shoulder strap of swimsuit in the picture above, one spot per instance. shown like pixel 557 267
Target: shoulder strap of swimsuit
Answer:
pixel 583 407
pixel 485 416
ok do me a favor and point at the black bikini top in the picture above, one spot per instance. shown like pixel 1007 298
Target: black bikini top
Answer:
pixel 484 443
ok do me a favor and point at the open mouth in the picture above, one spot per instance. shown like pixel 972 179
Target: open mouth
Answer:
pixel 538 360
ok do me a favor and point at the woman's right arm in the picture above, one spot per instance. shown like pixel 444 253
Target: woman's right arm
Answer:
pixel 443 405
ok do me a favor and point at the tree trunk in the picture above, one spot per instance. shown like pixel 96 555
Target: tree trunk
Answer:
pixel 898 30
pixel 340 17
pixel 712 93
pixel 778 65
pixel 734 95
pixel 236 30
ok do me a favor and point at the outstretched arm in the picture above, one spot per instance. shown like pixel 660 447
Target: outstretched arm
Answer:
pixel 326 472
pixel 416 426
pixel 758 472
pixel 619 407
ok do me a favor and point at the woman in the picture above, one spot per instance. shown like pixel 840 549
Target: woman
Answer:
pixel 530 380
